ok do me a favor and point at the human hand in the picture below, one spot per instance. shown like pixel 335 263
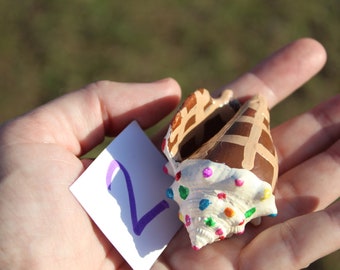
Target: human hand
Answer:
pixel 43 226
pixel 307 226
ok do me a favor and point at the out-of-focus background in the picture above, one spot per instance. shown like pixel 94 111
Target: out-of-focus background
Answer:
pixel 48 48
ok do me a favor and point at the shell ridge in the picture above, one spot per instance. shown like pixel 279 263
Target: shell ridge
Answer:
pixel 242 202
pixel 260 106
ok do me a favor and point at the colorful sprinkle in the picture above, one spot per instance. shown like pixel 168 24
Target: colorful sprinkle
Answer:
pixel 178 176
pixel 266 194
pixel 272 215
pixel 195 248
pixel 209 222
pixel 183 192
pixel 221 195
pixel 219 232
pixel 170 193
pixel 165 170
pixel 187 220
pixel 250 212
pixel 242 222
pixel 204 203
pixel 229 212
pixel 239 182
pixel 180 217
pixel 207 172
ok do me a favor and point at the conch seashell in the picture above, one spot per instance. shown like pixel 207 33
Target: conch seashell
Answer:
pixel 225 166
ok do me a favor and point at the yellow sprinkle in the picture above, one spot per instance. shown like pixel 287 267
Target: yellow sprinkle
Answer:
pixel 180 216
pixel 266 194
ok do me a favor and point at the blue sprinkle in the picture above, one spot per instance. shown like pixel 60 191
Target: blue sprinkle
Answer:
pixel 204 203
pixel 272 215
pixel 170 193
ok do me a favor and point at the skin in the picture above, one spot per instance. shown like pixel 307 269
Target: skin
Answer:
pixel 42 226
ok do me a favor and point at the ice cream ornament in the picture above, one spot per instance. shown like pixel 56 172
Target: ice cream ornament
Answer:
pixel 224 163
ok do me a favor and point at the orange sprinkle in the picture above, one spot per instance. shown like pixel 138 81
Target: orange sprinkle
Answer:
pixel 229 212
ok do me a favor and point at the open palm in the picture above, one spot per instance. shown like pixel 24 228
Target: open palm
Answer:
pixel 42 226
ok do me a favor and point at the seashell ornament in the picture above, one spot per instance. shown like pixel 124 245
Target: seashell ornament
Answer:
pixel 225 166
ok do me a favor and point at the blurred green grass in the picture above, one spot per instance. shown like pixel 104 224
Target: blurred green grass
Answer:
pixel 48 48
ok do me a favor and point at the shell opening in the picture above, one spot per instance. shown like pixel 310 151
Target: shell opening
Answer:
pixel 206 129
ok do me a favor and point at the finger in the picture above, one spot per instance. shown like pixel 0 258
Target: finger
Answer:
pixel 283 72
pixel 79 120
pixel 280 74
pixel 309 153
pixel 308 134
pixel 298 242
pixel 310 186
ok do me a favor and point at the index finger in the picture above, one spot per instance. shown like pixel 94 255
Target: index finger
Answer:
pixel 281 73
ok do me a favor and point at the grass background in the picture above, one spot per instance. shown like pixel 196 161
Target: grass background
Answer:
pixel 48 48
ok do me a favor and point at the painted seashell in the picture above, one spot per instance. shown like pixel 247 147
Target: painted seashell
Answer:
pixel 224 162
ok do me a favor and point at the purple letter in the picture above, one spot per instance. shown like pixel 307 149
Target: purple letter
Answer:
pixel 138 225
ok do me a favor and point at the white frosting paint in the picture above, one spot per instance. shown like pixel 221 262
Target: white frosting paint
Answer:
pixel 253 193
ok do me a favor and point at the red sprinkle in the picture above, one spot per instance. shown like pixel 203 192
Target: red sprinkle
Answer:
pixel 195 248
pixel 239 182
pixel 219 232
pixel 165 170
pixel 187 220
pixel 178 176
pixel 221 195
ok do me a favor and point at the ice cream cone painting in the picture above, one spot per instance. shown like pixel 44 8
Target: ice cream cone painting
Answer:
pixel 224 163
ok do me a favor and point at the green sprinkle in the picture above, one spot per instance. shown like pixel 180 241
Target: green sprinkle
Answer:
pixel 209 222
pixel 183 192
pixel 250 212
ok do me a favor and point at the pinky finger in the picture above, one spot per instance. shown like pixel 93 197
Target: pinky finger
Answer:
pixel 295 243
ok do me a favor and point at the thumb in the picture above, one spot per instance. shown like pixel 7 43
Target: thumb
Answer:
pixel 78 121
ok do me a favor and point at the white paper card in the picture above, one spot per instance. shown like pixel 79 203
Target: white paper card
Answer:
pixel 124 192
